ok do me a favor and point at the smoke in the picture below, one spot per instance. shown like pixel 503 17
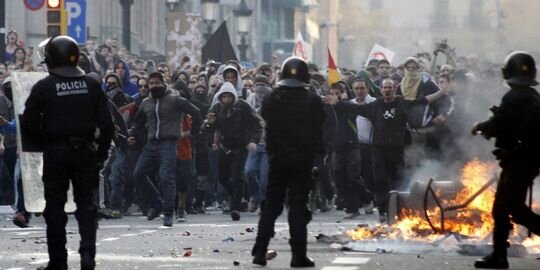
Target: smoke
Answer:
pixel 472 100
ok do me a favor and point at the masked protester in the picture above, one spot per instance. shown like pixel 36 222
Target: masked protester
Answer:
pixel 294 120
pixel 61 116
pixel 160 115
pixel 515 126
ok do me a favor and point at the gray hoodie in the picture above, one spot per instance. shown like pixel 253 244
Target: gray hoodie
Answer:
pixel 238 124
pixel 239 83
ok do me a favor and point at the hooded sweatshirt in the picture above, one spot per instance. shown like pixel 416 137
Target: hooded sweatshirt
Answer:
pixel 129 87
pixel 238 125
pixel 240 90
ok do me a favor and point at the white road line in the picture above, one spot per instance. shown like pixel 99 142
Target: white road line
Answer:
pixel 350 260
pixel 129 234
pixel 356 253
pixel 340 268
pixel 42 261
pixel 110 239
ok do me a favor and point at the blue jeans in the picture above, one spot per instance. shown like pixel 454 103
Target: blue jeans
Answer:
pixel 158 157
pixel 116 179
pixel 257 172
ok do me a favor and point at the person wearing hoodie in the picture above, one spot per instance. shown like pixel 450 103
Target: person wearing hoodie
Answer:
pixel 231 74
pixel 122 69
pixel 237 130
pixel 257 162
pixel 160 116
pixel 118 155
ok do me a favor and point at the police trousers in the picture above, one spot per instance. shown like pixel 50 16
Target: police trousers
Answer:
pixel 510 201
pixel 64 161
pixel 289 175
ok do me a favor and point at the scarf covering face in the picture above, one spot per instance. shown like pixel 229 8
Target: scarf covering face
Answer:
pixel 410 84
pixel 157 92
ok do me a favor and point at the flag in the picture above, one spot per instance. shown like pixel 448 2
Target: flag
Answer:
pixel 379 52
pixel 128 110
pixel 301 48
pixel 219 47
pixel 333 72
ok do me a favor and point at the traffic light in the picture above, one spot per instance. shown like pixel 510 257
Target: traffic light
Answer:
pixel 56 18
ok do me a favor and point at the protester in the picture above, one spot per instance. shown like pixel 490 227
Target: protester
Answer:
pixel 161 114
pixel 237 130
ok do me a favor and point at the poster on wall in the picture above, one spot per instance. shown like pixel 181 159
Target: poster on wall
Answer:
pixel 184 38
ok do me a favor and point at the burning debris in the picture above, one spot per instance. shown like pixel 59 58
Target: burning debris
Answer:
pixel 456 217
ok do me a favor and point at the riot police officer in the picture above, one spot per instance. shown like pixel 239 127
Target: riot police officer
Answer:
pixel 63 114
pixel 515 125
pixel 294 118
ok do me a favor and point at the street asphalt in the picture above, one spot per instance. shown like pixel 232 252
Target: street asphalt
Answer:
pixel 213 241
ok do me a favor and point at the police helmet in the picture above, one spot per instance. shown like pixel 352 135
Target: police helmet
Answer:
pixel 62 56
pixel 519 69
pixel 294 73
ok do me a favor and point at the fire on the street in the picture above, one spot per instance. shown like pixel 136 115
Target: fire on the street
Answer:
pixel 474 221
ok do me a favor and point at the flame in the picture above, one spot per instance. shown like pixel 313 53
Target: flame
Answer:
pixel 475 220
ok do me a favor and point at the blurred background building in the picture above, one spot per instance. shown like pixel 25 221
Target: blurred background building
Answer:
pixel 488 28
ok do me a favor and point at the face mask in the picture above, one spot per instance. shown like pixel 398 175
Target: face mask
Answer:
pixel 414 74
pixel 157 92
pixel 199 96
pixel 111 87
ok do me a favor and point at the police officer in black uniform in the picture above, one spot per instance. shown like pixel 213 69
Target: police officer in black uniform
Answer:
pixel 294 118
pixel 66 114
pixel 515 125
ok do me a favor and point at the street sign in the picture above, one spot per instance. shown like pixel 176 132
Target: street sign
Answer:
pixel 34 5
pixel 76 21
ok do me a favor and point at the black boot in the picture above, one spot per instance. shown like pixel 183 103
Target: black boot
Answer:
pixel 88 253
pixel 54 266
pixel 259 251
pixel 299 256
pixel 492 261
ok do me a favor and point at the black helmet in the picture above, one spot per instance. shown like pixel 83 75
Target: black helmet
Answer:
pixel 62 56
pixel 294 73
pixel 519 69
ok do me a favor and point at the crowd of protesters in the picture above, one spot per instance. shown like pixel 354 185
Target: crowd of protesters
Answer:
pixel 382 121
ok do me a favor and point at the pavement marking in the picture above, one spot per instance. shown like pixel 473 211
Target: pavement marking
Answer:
pixel 340 268
pixel 16 268
pixel 350 260
pixel 109 239
pixel 42 261
pixel 129 234
pixel 359 253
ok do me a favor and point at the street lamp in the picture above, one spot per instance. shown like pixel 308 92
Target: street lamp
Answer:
pixel 173 4
pixel 209 8
pixel 243 18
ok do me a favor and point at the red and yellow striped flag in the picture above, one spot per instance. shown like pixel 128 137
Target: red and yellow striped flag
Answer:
pixel 333 72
